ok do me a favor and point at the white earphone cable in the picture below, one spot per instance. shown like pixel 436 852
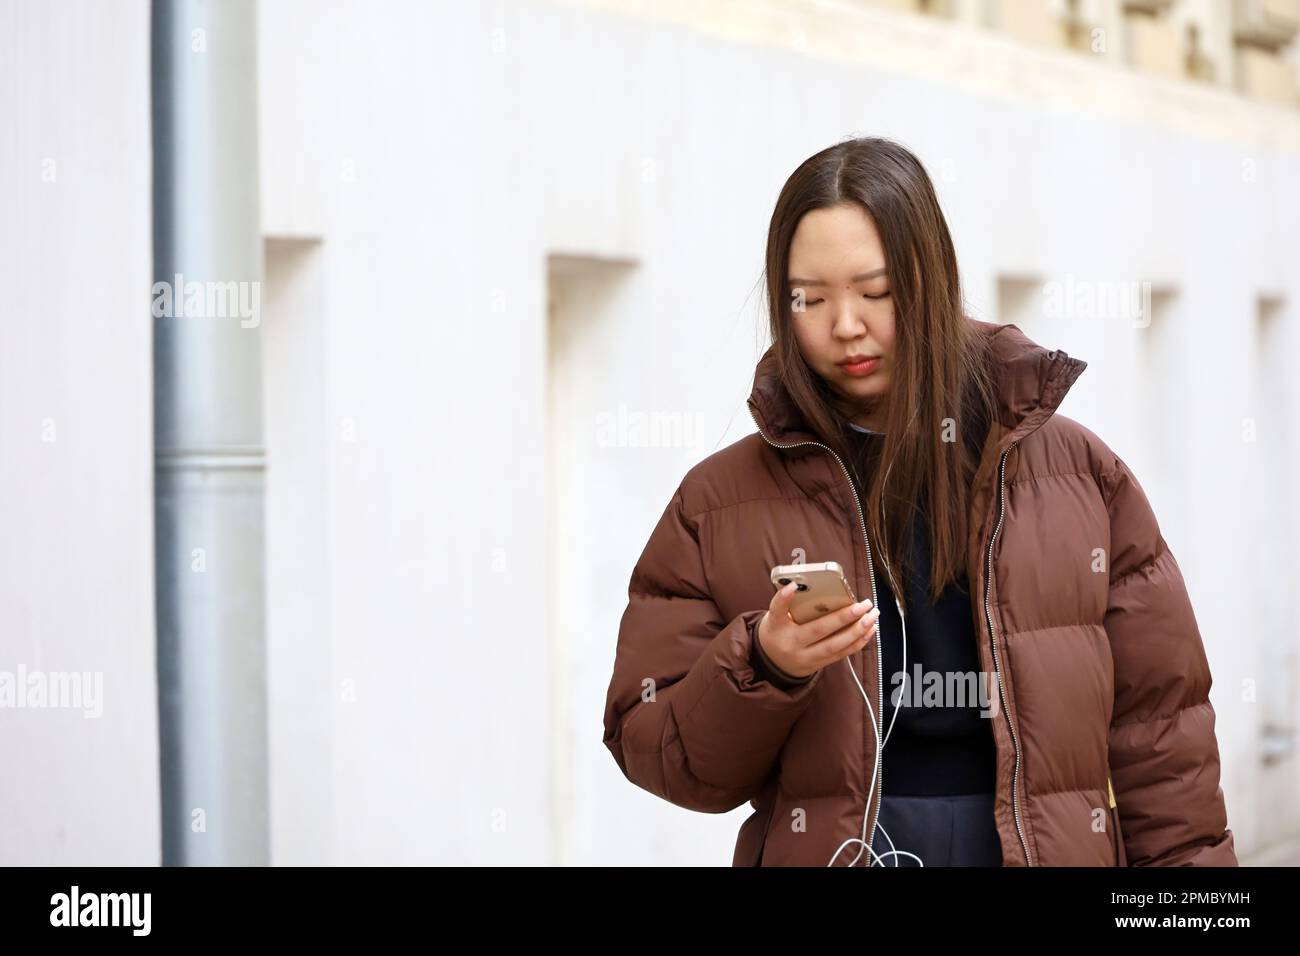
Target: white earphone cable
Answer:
pixel 875 727
pixel 876 724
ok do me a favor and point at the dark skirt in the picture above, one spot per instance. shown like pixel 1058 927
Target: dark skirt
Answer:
pixel 955 830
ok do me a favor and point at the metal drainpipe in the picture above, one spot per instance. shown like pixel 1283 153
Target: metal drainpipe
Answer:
pixel 209 461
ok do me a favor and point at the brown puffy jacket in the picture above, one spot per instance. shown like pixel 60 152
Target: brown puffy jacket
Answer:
pixel 1101 672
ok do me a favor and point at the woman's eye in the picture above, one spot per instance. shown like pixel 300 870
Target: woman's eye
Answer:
pixel 865 295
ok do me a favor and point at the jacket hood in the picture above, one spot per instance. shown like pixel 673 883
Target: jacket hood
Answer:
pixel 1030 383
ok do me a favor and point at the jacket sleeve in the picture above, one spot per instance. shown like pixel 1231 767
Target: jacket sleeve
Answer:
pixel 1164 757
pixel 687 717
pixel 766 669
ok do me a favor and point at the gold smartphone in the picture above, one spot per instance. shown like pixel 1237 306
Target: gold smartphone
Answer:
pixel 823 588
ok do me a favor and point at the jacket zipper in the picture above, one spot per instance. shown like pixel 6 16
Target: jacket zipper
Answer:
pixel 871 576
pixel 1114 824
pixel 997 667
pixel 880 667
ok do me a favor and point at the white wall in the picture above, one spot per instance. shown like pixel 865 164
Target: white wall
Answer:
pixel 76 441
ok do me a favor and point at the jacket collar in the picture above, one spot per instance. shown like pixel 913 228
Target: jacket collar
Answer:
pixel 1031 382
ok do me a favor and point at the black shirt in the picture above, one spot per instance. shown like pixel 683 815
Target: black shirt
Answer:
pixel 939 743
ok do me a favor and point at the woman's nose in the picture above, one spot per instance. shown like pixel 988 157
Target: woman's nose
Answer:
pixel 848 320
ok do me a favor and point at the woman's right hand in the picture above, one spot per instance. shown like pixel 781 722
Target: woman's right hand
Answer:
pixel 803 649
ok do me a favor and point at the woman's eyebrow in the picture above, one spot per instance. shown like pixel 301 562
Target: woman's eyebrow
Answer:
pixel 862 277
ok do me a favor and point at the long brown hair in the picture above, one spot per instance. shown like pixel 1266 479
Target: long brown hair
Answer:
pixel 941 397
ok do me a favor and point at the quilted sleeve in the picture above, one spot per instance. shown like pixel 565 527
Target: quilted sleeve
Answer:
pixel 686 716
pixel 1164 757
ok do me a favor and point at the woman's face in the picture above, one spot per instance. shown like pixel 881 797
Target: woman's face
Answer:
pixel 841 307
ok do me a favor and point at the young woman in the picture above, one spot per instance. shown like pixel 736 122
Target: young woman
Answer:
pixel 1049 690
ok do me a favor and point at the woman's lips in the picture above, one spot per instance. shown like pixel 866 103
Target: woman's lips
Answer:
pixel 865 367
